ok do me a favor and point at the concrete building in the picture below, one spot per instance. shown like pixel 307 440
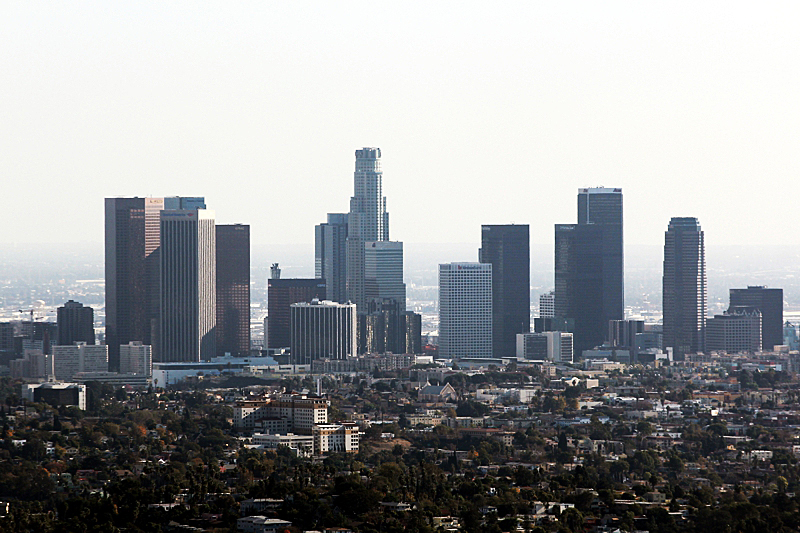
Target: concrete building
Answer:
pixel 330 255
pixel 685 296
pixel 735 332
pixel 56 394
pixel 75 323
pixel 80 357
pixel 507 249
pixel 136 358
pixel 302 412
pixel 322 329
pixel 335 438
pixel 465 310
pixel 547 305
pixel 188 280
pixel 770 303
pixel 545 346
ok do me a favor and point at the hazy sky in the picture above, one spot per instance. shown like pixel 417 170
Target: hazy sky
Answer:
pixel 485 113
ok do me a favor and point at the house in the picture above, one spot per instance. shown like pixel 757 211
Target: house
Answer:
pixel 437 393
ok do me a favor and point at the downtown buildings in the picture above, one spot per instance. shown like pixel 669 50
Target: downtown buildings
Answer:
pixel 589 276
pixel 465 310
pixel 161 279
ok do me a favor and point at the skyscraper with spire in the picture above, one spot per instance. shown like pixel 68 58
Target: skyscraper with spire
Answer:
pixel 368 223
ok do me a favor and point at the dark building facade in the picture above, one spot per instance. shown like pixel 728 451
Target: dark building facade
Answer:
pixel 330 255
pixel 388 327
pixel 233 289
pixel 685 298
pixel 507 249
pixel 281 294
pixel 75 323
pixel 589 267
pixel 622 333
pixel 770 303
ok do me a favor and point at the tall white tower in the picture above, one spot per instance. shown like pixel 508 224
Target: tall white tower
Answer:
pixel 465 310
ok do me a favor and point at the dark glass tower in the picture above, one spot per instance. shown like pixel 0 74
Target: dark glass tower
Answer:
pixel 685 299
pixel 507 249
pixel 126 275
pixel 770 303
pixel 330 255
pixel 75 323
pixel 233 289
pixel 281 294
pixel 589 267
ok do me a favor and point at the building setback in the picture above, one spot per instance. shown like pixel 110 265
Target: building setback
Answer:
pixel 281 294
pixel 770 303
pixel 685 300
pixel 507 249
pixel 465 310
pixel 233 289
pixel 75 323
pixel 322 330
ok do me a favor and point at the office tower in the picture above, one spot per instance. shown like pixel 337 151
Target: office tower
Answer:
pixel 330 255
pixel 275 271
pixel 132 240
pixel 233 289
pixel 465 310
pixel 136 358
pixel 547 305
pixel 791 336
pixel 553 346
pixel 383 272
pixel 770 303
pixel 322 330
pixel 367 220
pixel 80 357
pixel 281 294
pixel 589 274
pixel 387 327
pixel 684 288
pixel 507 249
pixel 411 326
pixel 734 332
pixel 187 317
pixel 6 337
pixel 75 323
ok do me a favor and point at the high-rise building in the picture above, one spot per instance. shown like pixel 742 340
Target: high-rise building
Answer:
pixel 507 249
pixel 685 300
pixel 80 357
pixel 75 323
pixel 589 266
pixel 322 330
pixel 367 220
pixel 465 310
pixel 622 333
pixel 383 273
pixel 136 358
pixel 734 332
pixel 187 256
pixel 387 327
pixel 553 346
pixel 133 268
pixel 281 294
pixel 547 305
pixel 330 255
pixel 233 289
pixel 770 303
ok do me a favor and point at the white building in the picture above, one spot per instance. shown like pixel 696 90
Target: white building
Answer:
pixel 80 357
pixel 465 310
pixel 302 445
pixel 322 330
pixel 547 305
pixel 136 358
pixel 261 524
pixel 56 393
pixel 301 411
pixel 336 438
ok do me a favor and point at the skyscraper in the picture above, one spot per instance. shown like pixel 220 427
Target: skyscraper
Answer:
pixel 75 323
pixel 465 310
pixel 133 268
pixel 281 294
pixel 770 303
pixel 383 273
pixel 233 289
pixel 330 255
pixel 589 273
pixel 684 287
pixel 734 332
pixel 507 249
pixel 188 282
pixel 368 220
